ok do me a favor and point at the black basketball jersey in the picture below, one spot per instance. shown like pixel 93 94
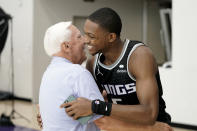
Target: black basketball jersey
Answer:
pixel 119 84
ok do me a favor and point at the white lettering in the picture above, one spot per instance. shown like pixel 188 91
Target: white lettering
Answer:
pixel 115 100
pixel 130 88
pixel 107 89
pixel 112 88
pixel 120 90
pixel 121 71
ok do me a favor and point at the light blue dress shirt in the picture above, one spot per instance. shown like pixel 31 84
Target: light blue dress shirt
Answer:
pixel 62 79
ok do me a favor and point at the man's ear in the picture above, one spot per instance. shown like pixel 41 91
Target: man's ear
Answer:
pixel 65 46
pixel 112 37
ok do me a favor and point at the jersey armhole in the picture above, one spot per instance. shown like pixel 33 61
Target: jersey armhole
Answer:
pixel 130 53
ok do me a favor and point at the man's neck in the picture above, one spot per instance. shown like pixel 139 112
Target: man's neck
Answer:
pixel 113 53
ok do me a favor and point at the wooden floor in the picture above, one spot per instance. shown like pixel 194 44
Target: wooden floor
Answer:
pixel 25 114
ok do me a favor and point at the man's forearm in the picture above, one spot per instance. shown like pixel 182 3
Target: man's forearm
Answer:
pixel 134 114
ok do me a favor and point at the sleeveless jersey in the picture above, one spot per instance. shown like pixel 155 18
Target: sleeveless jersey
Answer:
pixel 119 84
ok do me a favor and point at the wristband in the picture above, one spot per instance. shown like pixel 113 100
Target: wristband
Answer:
pixel 101 107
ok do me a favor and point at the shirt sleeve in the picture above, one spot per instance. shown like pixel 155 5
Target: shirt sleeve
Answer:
pixel 86 87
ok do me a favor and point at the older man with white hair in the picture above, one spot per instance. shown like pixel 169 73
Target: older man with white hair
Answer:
pixel 64 77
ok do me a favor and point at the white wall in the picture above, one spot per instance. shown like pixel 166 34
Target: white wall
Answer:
pixel 22 13
pixel 180 82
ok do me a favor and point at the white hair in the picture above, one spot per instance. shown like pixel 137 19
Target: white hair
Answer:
pixel 55 35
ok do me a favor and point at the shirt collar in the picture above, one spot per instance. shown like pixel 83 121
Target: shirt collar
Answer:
pixel 59 59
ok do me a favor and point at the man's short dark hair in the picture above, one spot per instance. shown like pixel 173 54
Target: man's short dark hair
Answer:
pixel 107 19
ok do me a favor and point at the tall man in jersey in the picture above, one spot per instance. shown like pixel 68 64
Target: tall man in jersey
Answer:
pixel 127 71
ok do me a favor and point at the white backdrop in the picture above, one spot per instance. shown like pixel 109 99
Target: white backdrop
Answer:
pixel 22 13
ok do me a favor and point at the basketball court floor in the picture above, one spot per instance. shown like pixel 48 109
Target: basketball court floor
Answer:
pixel 25 116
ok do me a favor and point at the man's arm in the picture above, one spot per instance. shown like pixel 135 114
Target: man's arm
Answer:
pixel 39 119
pixel 143 67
